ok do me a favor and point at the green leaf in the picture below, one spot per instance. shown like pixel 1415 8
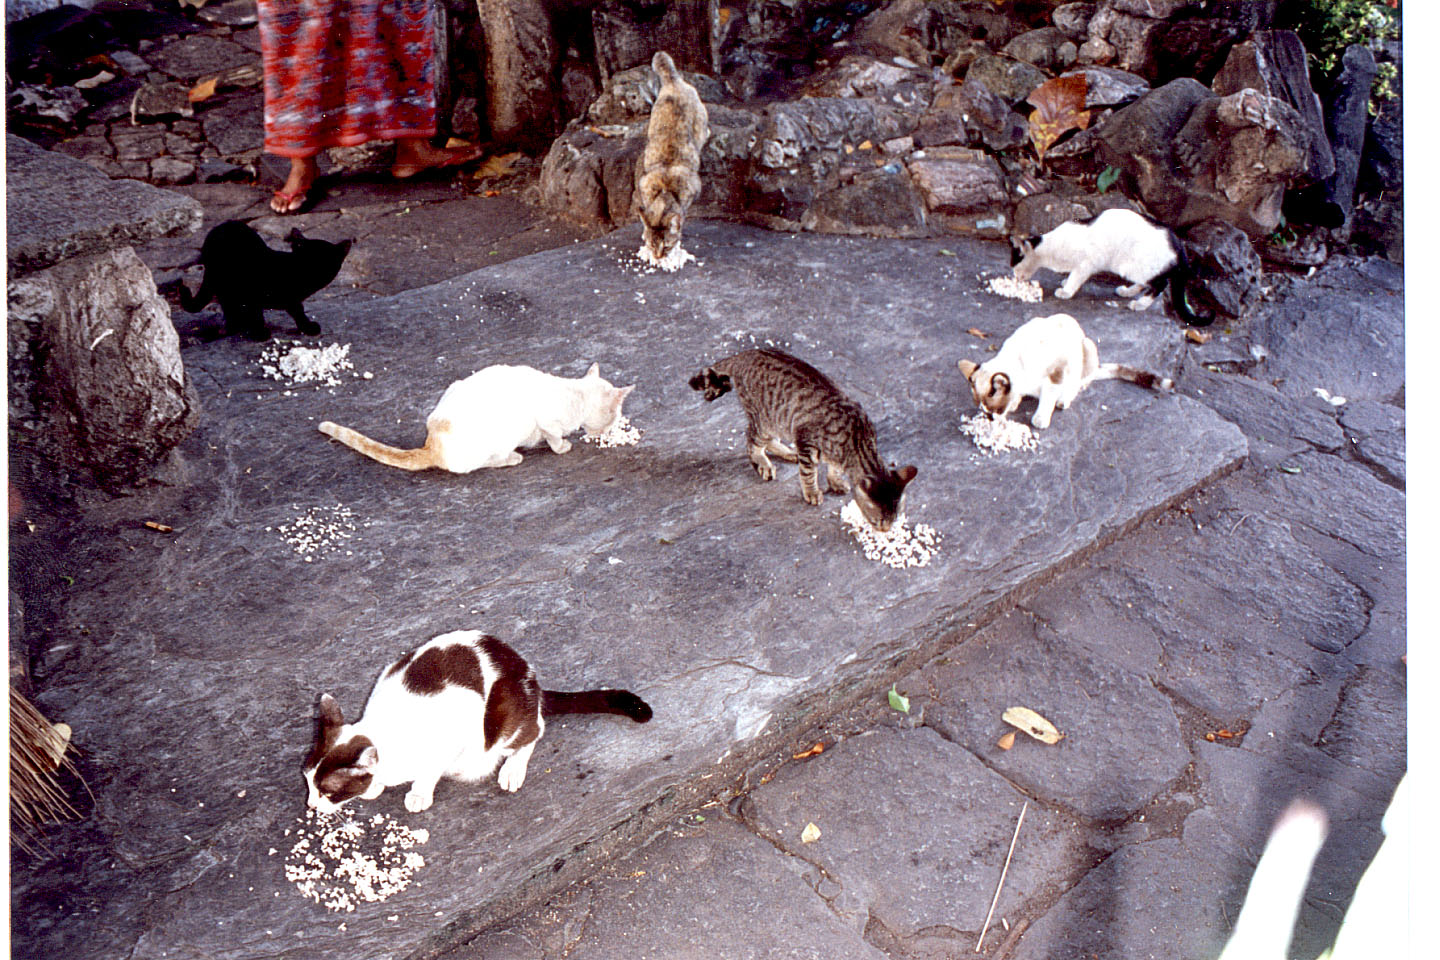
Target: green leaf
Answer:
pixel 69 580
pixel 899 702
pixel 1107 178
pixel 1289 469
pixel 946 253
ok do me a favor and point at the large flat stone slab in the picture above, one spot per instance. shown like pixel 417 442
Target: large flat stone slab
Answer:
pixel 189 661
pixel 59 207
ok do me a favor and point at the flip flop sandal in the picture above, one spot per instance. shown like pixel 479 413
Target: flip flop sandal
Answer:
pixel 307 197
pixel 417 169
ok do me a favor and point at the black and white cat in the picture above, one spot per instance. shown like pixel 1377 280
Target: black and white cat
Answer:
pixel 248 278
pixel 1050 359
pixel 1117 241
pixel 460 706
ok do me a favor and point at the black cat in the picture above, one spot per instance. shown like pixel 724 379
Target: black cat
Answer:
pixel 247 277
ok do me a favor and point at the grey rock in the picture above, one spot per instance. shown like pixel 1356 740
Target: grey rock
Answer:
pixel 732 679
pixel 1044 212
pixel 111 390
pixel 627 35
pixel 880 80
pixel 522 55
pixel 50 107
pixel 578 90
pixel 1378 432
pixel 198 55
pixel 1291 425
pixel 1346 113
pixel 133 64
pixel 236 126
pixel 1048 48
pixel 1382 166
pixel 958 180
pixel 233 13
pixel 706 887
pixel 138 143
pixel 629 95
pixel 1011 80
pixel 939 803
pixel 878 203
pixel 166 170
pixel 1274 63
pixel 1156 9
pixel 1073 19
pixel 159 101
pixel 970 114
pixel 44 225
pixel 1109 87
pixel 1162 50
pixel 1226 268
pixel 1017 661
pixel 925 32
pixel 216 170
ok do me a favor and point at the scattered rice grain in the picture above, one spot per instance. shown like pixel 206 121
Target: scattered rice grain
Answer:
pixel 339 862
pixel 620 434
pixel 1008 286
pixel 898 547
pixel 672 261
pixel 999 436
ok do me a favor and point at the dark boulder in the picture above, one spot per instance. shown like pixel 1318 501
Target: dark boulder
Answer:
pixel 970 114
pixel 1227 269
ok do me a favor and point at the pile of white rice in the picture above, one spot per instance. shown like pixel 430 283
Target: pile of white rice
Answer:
pixel 1008 286
pixel 319 530
pixel 897 547
pixel 672 261
pixel 620 434
pixel 999 436
pixel 339 862
pixel 295 364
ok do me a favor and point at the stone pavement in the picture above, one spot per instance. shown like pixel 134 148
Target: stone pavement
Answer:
pixel 744 616
pixel 1269 605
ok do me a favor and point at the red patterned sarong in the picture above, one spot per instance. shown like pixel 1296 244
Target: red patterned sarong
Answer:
pixel 341 72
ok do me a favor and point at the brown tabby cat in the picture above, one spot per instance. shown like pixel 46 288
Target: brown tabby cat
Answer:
pixel 797 413
pixel 668 179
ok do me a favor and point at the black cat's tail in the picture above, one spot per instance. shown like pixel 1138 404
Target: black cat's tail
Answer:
pixel 1179 278
pixel 711 383
pixel 621 702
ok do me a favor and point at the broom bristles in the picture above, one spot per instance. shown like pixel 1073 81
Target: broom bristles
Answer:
pixel 36 796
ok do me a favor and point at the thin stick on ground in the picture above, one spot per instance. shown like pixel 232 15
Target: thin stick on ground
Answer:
pixel 1003 870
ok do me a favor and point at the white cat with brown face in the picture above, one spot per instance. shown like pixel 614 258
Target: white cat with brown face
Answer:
pixel 482 420
pixel 1050 359
pixel 460 706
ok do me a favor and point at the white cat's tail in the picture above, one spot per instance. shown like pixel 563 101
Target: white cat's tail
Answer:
pixel 420 458
pixel 1141 378
pixel 1267 920
pixel 621 702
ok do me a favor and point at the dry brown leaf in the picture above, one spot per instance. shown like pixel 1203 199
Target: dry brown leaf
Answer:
pixel 1007 741
pixel 867 145
pixel 163 528
pixel 1032 723
pixel 491 193
pixel 1197 336
pixel 455 143
pixel 497 166
pixel 813 751
pixel 204 90
pixel 977 332
pixel 810 834
pixel 1059 107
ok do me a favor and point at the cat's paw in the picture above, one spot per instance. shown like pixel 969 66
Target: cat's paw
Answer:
pixel 1040 421
pixel 309 328
pixel 1142 304
pixel 1131 290
pixel 562 447
pixel 258 334
pixel 1063 294
pixel 766 470
pixel 416 801
pixel 813 497
pixel 512 774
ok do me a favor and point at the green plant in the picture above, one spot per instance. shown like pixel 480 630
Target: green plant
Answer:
pixel 1284 235
pixel 1327 27
pixel 1107 178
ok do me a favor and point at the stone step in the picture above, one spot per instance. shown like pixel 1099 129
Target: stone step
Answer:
pixel 744 616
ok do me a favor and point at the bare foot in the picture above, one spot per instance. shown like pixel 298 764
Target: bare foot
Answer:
pixel 415 155
pixel 291 197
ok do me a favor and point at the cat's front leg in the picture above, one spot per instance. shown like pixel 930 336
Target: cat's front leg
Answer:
pixel 1046 407
pixel 513 770
pixel 303 323
pixel 809 475
pixel 1073 283
pixel 554 436
pixel 420 796
pixel 1142 303
pixel 1130 290
pixel 835 479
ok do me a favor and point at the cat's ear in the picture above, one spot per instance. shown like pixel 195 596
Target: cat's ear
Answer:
pixel 367 760
pixel 294 236
pixel 905 474
pixel 624 392
pixel 967 369
pixel 594 370
pixel 330 714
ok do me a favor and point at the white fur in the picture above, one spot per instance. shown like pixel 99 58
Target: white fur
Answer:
pixel 1029 354
pixel 481 420
pixel 1118 241
pixel 421 739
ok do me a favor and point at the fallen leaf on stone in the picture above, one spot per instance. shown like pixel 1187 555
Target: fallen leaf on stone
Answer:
pixel 163 528
pixel 1197 336
pixel 849 148
pixel 1059 107
pixel 810 834
pixel 898 701
pixel 491 193
pixel 1289 469
pixel 204 90
pixel 977 332
pixel 456 143
pixel 1007 741
pixel 497 166
pixel 1032 723
pixel 946 253
pixel 1107 178
pixel 813 751
pixel 867 145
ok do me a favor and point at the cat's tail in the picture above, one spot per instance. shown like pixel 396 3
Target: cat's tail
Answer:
pixel 1141 378
pixel 1179 278
pixel 712 383
pixel 664 66
pixel 420 458
pixel 621 702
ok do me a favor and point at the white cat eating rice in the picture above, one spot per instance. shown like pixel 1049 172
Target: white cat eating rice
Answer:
pixel 482 420
pixel 1050 359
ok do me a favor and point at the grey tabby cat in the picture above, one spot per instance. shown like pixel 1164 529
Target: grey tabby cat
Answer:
pixel 797 413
